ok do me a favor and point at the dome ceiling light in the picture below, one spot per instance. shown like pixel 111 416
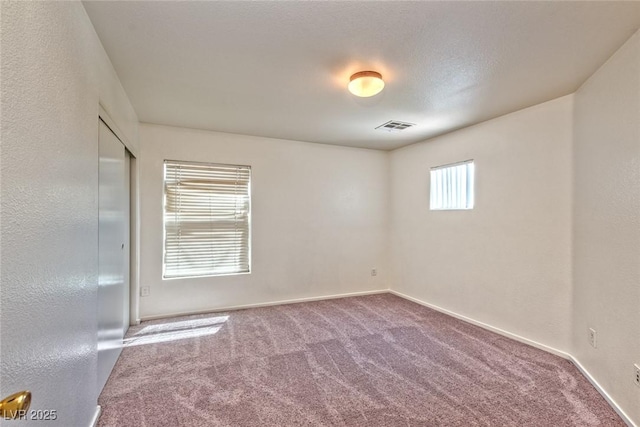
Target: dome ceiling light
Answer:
pixel 366 83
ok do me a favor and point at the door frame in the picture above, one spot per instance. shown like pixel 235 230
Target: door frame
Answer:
pixel 134 218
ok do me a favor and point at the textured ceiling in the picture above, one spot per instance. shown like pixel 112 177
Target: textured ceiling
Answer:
pixel 280 69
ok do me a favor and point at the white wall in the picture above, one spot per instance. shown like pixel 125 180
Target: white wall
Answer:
pixel 606 232
pixel 505 263
pixel 54 74
pixel 319 220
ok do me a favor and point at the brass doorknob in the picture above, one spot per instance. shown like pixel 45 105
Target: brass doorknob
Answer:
pixel 16 405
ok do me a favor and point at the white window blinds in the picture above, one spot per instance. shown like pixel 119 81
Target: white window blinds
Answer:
pixel 452 186
pixel 206 219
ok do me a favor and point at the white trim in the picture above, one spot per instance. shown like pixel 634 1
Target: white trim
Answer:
pixel 96 416
pixel 265 304
pixel 111 124
pixel 532 343
pixel 502 332
pixel 134 241
pixel 448 165
pixel 602 391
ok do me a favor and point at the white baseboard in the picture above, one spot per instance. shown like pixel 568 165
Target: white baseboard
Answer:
pixel 502 332
pixel 96 416
pixel 604 394
pixel 532 343
pixel 265 304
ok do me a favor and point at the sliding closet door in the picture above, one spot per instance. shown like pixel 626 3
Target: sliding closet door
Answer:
pixel 127 244
pixel 112 247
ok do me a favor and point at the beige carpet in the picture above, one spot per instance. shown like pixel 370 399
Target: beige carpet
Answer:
pixel 365 361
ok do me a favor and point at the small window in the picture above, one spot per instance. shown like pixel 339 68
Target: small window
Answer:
pixel 207 211
pixel 452 186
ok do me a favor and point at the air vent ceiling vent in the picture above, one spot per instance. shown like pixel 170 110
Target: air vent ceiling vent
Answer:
pixel 395 126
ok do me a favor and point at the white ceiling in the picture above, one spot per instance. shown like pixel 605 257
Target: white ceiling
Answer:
pixel 280 69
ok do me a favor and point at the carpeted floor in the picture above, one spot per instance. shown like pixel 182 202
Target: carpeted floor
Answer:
pixel 366 361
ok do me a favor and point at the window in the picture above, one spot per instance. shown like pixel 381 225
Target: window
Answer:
pixel 206 219
pixel 452 186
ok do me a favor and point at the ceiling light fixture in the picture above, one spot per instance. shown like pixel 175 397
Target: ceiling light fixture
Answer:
pixel 366 83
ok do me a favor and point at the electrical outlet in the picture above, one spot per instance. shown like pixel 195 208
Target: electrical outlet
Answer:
pixel 636 374
pixel 593 337
pixel 145 291
pixel 374 272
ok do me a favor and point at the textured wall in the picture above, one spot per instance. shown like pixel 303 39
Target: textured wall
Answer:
pixel 505 263
pixel 606 232
pixel 319 220
pixel 54 74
